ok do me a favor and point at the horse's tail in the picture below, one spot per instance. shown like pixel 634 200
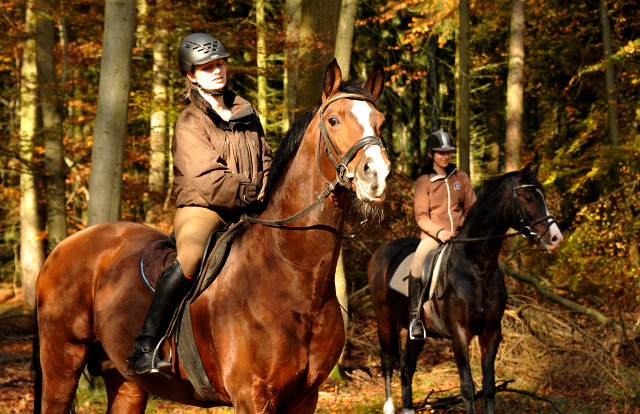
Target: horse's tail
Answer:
pixel 36 369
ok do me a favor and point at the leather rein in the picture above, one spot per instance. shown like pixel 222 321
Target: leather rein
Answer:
pixel 339 162
pixel 525 230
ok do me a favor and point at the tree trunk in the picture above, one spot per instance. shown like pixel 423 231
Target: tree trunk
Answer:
pixel 612 102
pixel 569 304
pixel 463 117
pixel 261 61
pixel 515 78
pixel 107 154
pixel 432 88
pixel 31 245
pixel 344 44
pixel 415 128
pixel 344 36
pixel 158 119
pixel 50 106
pixel 318 24
pixel 292 12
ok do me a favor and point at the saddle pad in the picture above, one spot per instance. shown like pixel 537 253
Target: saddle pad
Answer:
pixel 399 281
pixel 155 258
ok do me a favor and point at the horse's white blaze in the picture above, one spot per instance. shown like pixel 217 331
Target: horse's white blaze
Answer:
pixel 373 188
pixel 362 111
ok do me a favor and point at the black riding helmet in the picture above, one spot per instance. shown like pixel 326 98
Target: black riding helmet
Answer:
pixel 197 49
pixel 440 141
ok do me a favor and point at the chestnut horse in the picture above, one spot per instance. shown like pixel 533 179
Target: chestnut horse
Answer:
pixel 471 295
pixel 269 328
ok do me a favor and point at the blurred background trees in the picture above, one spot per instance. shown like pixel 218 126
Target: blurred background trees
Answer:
pixel 564 74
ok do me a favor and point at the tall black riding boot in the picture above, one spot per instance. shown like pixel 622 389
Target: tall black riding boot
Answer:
pixel 170 290
pixel 416 328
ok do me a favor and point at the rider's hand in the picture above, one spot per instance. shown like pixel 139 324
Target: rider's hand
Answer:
pixel 444 235
pixel 251 190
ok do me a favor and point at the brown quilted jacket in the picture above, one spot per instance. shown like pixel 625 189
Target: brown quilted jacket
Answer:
pixel 214 159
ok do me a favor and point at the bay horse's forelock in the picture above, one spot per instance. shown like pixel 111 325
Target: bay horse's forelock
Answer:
pixel 269 329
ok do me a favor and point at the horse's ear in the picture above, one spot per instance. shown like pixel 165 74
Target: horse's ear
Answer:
pixel 527 171
pixel 332 79
pixel 375 83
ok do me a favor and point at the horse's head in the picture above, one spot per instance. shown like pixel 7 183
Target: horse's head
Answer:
pixel 531 211
pixel 350 128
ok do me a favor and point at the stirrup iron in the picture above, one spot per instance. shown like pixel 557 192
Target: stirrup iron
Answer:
pixel 154 360
pixel 413 323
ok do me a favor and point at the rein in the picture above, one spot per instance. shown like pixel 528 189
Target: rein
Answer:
pixel 342 171
pixel 525 230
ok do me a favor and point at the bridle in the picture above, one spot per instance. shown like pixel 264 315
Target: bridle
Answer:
pixel 525 230
pixel 339 162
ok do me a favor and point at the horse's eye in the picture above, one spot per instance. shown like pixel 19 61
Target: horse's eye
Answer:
pixel 333 120
pixel 528 198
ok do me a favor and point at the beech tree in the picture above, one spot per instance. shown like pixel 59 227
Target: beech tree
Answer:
pixel 107 154
pixel 158 121
pixel 50 107
pixel 464 115
pixel 515 88
pixel 31 240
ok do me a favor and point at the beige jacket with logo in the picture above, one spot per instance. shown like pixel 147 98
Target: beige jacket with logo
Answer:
pixel 442 203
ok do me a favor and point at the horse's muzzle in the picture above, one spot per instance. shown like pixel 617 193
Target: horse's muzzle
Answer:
pixel 370 180
pixel 552 238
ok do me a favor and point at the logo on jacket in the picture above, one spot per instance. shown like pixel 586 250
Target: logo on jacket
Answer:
pixel 456 186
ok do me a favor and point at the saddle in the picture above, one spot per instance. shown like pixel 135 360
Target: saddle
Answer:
pixel 155 257
pixel 434 283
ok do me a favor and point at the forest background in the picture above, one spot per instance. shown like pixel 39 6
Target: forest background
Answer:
pixel 553 82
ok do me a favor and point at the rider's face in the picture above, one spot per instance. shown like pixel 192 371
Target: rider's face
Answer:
pixel 211 75
pixel 442 158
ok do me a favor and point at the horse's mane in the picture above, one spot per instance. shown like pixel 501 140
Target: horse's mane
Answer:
pixel 291 142
pixel 489 188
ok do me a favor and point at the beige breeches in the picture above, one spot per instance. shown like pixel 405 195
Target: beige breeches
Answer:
pixel 192 227
pixel 426 245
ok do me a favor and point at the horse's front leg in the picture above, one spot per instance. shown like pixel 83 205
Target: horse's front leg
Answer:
pixel 389 355
pixel 460 343
pixel 489 342
pixel 407 369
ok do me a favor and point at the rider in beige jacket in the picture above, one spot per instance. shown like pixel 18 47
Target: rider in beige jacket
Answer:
pixel 442 198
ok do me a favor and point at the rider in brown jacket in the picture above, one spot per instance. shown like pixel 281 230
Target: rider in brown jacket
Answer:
pixel 442 198
pixel 221 161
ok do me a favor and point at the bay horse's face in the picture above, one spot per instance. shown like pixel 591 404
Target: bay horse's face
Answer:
pixel 351 127
pixel 532 212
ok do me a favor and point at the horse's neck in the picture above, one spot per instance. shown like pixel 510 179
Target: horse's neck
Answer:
pixel 487 220
pixel 312 242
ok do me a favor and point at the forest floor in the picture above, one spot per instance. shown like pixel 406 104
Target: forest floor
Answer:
pixel 436 378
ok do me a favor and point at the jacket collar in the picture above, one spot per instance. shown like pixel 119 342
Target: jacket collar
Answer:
pixel 240 107
pixel 428 169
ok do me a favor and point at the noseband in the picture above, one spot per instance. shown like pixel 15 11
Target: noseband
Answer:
pixel 340 163
pixel 527 229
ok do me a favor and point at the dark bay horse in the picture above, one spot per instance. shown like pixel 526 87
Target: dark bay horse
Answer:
pixel 269 328
pixel 473 299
